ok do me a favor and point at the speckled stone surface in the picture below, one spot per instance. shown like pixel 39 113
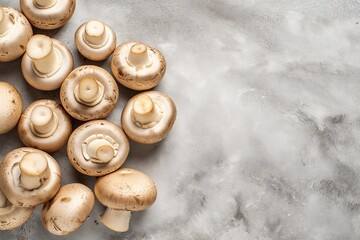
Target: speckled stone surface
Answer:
pixel 266 143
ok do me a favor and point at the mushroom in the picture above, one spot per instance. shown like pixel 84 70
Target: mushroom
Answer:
pixel 148 117
pixel 48 14
pixel 95 40
pixel 123 192
pixel 88 93
pixel 97 148
pixel 29 177
pixel 68 209
pixel 138 66
pixel 45 125
pixel 10 107
pixel 11 216
pixel 15 32
pixel 46 63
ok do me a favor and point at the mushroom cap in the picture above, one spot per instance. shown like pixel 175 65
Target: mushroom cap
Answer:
pixel 68 209
pixel 54 81
pixel 160 130
pixel 130 76
pixel 92 53
pixel 12 217
pixel 126 189
pixel 97 128
pixel 10 107
pixel 13 43
pixel 83 112
pixel 48 144
pixel 48 18
pixel 10 174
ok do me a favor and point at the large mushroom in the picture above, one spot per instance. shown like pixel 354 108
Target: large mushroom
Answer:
pixel 10 107
pixel 123 192
pixel 48 14
pixel 97 148
pixel 45 125
pixel 46 63
pixel 88 93
pixel 68 209
pixel 15 32
pixel 138 66
pixel 148 117
pixel 29 177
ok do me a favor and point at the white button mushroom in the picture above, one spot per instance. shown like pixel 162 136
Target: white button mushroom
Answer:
pixel 138 66
pixel 10 107
pixel 46 63
pixel 123 192
pixel 48 14
pixel 88 93
pixel 148 117
pixel 68 209
pixel 29 177
pixel 95 40
pixel 15 32
pixel 97 148
pixel 45 125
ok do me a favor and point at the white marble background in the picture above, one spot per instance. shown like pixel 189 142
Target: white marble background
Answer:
pixel 266 143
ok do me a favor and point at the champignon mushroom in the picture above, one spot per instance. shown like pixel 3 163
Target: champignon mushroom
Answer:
pixel 11 216
pixel 123 192
pixel 15 32
pixel 95 40
pixel 88 93
pixel 138 66
pixel 48 14
pixel 29 177
pixel 45 125
pixel 97 148
pixel 46 63
pixel 10 107
pixel 148 117
pixel 68 209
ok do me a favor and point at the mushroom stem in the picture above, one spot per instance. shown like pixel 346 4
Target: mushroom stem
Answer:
pixel 100 150
pixel 95 33
pixel 3 200
pixel 144 110
pixel 44 3
pixel 116 220
pixel 4 22
pixel 89 91
pixel 44 120
pixel 138 55
pixel 34 170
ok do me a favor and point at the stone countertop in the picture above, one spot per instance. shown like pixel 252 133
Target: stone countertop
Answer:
pixel 266 142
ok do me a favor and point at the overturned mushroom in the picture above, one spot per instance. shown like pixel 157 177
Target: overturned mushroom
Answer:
pixel 45 125
pixel 46 63
pixel 48 14
pixel 123 192
pixel 68 209
pixel 15 32
pixel 138 66
pixel 29 177
pixel 148 117
pixel 97 148
pixel 95 40
pixel 88 93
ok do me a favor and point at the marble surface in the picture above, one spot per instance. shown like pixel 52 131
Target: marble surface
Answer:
pixel 266 143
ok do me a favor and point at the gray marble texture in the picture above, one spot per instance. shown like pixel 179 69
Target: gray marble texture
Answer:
pixel 266 143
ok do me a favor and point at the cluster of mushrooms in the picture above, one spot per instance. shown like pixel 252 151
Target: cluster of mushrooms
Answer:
pixel 30 176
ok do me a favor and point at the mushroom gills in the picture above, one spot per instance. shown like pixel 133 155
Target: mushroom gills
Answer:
pixel 100 148
pixel 89 92
pixel 146 113
pixel 116 220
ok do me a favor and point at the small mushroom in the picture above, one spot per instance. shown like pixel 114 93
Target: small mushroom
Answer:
pixel 88 93
pixel 29 177
pixel 10 107
pixel 15 32
pixel 68 209
pixel 46 63
pixel 95 40
pixel 138 66
pixel 97 148
pixel 45 125
pixel 123 192
pixel 48 14
pixel 148 117
pixel 11 216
